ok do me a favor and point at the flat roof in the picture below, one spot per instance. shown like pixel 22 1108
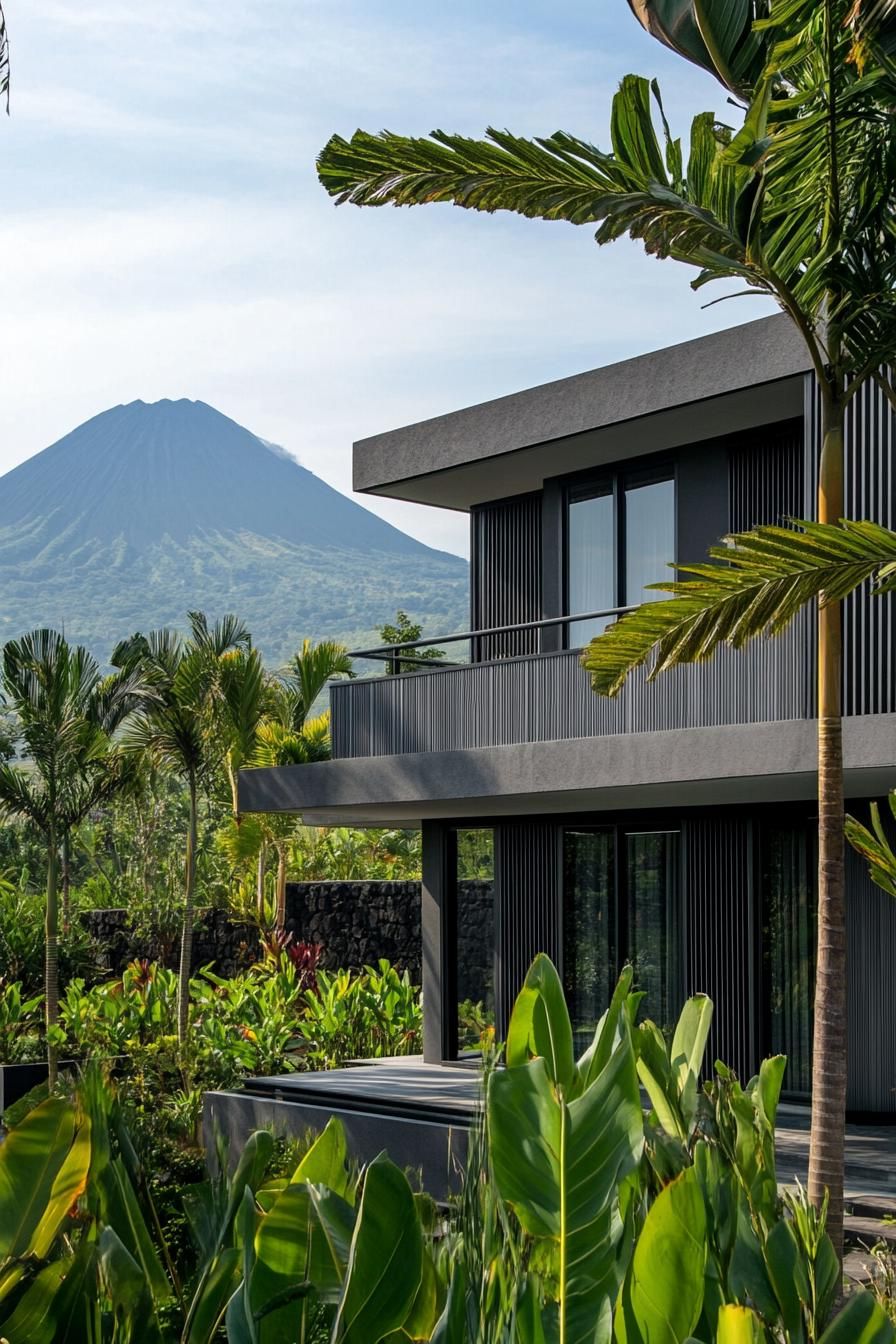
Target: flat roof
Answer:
pixel 697 390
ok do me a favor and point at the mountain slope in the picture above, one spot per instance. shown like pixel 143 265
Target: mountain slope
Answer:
pixel 150 509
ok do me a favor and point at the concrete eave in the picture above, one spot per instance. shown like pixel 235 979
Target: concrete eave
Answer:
pixel 684 393
pixel 741 763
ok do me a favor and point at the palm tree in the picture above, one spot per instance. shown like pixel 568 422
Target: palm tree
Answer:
pixel 64 711
pixel 798 204
pixel 174 727
pixel 270 715
pixel 269 722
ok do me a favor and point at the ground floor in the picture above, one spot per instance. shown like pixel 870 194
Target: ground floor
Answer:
pixel 720 900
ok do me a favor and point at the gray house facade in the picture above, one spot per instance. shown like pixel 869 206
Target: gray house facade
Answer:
pixel 672 827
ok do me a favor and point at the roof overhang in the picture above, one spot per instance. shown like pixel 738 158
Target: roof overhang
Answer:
pixel 686 393
pixel 739 763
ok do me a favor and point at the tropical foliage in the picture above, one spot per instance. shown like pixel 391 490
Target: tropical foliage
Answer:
pixel 578 1221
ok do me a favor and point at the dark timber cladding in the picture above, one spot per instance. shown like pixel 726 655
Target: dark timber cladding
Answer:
pixel 505 574
pixel 720 933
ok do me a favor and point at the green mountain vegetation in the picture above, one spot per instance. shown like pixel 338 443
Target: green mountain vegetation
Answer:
pixel 150 510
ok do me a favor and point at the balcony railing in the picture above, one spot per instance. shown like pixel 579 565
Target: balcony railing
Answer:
pixel 547 696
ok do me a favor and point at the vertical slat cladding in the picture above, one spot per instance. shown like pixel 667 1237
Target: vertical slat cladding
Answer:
pixel 506 574
pixel 869 626
pixel 720 933
pixel 527 894
pixel 549 697
pixel 871 951
pixel 766 477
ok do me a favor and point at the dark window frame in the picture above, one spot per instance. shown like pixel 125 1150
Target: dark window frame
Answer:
pixel 613 480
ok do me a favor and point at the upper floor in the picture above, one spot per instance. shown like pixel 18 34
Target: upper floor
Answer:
pixel 580 493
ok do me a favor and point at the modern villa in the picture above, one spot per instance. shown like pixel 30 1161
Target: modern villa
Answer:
pixel 672 827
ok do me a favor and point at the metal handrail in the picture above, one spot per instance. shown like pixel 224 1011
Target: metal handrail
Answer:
pixel 390 652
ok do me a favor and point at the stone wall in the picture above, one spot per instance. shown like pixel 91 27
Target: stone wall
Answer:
pixel 356 923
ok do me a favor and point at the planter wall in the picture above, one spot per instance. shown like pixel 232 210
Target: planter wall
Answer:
pixel 356 923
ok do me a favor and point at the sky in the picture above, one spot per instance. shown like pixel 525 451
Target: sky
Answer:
pixel 163 233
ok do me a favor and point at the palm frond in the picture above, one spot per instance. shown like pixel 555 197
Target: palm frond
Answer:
pixel 227 633
pixel 22 794
pixel 310 670
pixel 4 60
pixel 875 847
pixel 760 582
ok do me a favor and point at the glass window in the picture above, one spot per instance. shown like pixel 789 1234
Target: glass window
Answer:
pixel 620 536
pixel 591 566
pixel 589 928
pixel 649 538
pixel 653 924
pixel 475 913
pixel 789 937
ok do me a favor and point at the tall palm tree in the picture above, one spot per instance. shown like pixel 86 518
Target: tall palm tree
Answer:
pixel 64 711
pixel 174 726
pixel 799 204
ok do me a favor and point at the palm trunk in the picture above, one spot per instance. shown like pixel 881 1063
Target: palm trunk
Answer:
pixel 827 1144
pixel 186 937
pixel 66 884
pixel 51 962
pixel 259 880
pixel 280 922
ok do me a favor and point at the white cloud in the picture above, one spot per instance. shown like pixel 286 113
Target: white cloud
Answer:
pixel 163 233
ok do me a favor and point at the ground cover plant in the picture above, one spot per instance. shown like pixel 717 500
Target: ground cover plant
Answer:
pixel 581 1219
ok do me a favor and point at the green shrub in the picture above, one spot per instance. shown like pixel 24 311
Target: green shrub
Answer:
pixel 368 1016
pixel 20 1023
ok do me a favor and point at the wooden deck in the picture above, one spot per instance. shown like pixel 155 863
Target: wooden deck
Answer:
pixel 420 1112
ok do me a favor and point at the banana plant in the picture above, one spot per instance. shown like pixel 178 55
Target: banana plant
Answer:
pixel 566 1137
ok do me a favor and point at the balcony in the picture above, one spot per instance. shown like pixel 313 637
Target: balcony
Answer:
pixel 545 697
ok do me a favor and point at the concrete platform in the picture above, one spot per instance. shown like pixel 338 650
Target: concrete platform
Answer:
pixel 421 1114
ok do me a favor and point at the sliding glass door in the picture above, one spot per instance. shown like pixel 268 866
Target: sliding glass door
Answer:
pixel 789 940
pixel 621 905
pixel 653 923
pixel 589 927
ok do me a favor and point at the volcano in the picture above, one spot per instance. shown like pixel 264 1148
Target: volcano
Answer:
pixel 149 510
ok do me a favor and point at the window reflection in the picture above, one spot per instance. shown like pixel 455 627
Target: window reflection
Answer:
pixel 653 924
pixel 649 538
pixel 589 928
pixel 475 913
pixel 592 576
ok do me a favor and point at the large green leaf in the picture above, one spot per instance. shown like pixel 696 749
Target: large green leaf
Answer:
pixel 540 1025
pixel 739 1325
pixel 305 1236
pixel 862 1321
pixel 127 1289
pixel 662 1296
pixel 43 1167
pixel 122 1212
pixel 212 1297
pixel 560 1165
pixel 385 1260
pixel 34 1319
pixel 54 1312
pixel 326 1161
pixel 451 1327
